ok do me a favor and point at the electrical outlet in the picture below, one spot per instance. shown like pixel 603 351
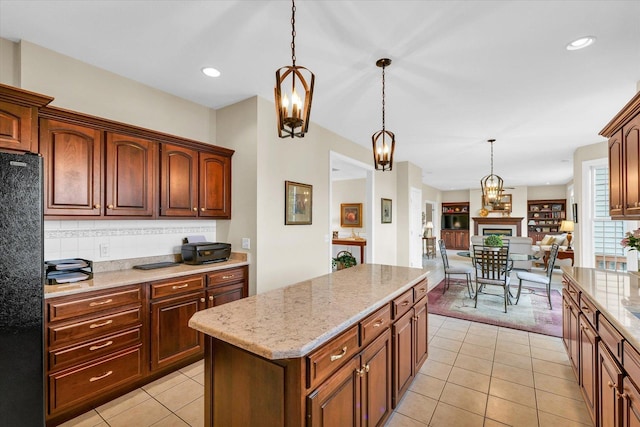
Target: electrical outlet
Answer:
pixel 104 250
pixel 246 243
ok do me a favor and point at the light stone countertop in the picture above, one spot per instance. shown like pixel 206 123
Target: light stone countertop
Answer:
pixel 130 276
pixel 616 295
pixel 292 321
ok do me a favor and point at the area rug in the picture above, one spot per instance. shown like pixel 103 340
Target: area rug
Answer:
pixel 532 313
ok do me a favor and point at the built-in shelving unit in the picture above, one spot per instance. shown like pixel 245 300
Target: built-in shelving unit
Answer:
pixel 455 225
pixel 545 216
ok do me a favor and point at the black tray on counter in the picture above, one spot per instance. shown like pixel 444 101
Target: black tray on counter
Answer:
pixel 155 265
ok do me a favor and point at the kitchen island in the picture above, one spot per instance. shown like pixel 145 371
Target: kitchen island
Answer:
pixel 318 352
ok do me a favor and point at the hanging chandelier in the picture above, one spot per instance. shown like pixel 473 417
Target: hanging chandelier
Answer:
pixel 293 92
pixel 384 141
pixel 491 185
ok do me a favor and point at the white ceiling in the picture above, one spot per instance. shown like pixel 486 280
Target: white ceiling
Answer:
pixel 462 72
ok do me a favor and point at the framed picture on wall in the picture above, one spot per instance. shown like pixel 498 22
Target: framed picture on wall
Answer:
pixel 351 215
pixel 385 213
pixel 298 203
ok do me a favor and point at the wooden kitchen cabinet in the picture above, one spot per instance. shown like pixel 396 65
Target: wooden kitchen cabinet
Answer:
pixel 359 393
pixel 194 183
pixel 131 169
pixel 588 339
pixel 94 348
pixel 228 285
pixel 215 186
pixel 623 132
pixel 616 178
pixel 73 158
pixel 609 389
pixel 455 239
pixel 19 118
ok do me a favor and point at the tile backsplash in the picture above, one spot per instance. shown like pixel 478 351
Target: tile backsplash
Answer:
pixel 108 240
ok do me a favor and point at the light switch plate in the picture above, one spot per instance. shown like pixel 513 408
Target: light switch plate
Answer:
pixel 246 243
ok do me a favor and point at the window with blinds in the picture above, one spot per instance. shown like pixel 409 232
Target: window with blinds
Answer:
pixel 606 233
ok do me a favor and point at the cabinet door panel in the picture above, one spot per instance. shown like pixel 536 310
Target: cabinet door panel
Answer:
pixel 610 380
pixel 631 409
pixel 421 331
pixel 337 401
pixel 631 151
pixel 178 181
pixel 225 294
pixel 376 390
pixel 72 168
pixel 588 362
pixel 171 337
pixel 403 363
pixel 131 176
pixel 15 127
pixel 215 186
pixel 616 178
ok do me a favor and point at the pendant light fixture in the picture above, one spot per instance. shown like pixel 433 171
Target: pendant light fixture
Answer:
pixel 384 141
pixel 491 185
pixel 293 92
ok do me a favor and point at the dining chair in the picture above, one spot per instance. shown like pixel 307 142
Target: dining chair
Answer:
pixel 492 268
pixel 448 270
pixel 539 278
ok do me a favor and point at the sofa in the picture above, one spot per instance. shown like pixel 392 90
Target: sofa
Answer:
pixel 517 245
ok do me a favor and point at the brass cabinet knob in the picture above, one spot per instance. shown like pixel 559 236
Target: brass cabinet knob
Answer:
pixel 109 206
pixel 211 298
pixel 201 299
pixel 195 208
pixel 202 209
pixel 96 206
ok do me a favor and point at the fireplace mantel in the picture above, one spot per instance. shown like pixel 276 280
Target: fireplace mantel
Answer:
pixel 498 220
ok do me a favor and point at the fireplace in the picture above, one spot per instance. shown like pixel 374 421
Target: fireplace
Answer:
pixel 506 226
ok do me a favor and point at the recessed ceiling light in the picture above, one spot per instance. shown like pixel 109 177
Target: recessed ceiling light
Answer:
pixel 210 71
pixel 581 43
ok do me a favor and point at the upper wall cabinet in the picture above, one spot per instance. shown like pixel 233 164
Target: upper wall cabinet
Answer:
pixel 72 168
pixel 194 183
pixel 19 118
pixel 623 132
pixel 96 168
pixel 131 176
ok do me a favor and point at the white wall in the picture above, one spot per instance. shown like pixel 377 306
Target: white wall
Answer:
pixel 348 191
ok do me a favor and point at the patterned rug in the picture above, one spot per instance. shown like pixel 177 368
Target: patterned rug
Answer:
pixel 531 314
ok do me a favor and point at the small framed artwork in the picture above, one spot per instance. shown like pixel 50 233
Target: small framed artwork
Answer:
pixel 385 213
pixel 298 203
pixel 351 215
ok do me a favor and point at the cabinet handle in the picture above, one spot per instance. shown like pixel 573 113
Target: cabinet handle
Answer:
pixel 210 297
pixel 174 287
pixel 366 368
pixel 109 206
pixel 360 372
pixel 228 277
pixel 195 208
pixel 98 347
pixel 105 375
pixel 378 323
pixel 96 206
pixel 202 209
pixel 107 301
pixel 99 325
pixel 335 357
pixel 610 384
pixel 404 303
pixel 202 300
pixel 422 289
pixel 586 309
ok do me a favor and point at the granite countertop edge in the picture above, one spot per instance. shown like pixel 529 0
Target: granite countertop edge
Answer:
pixel 115 279
pixel 257 335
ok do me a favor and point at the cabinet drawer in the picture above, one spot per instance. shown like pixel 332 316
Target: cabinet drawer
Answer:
pixel 402 304
pixel 67 307
pixel 75 386
pixel 177 286
pixel 375 324
pixel 222 277
pixel 93 349
pixel 610 336
pixel 573 291
pixel 322 362
pixel 420 290
pixel 93 328
pixel 588 310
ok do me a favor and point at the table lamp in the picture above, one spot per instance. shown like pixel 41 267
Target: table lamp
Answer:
pixel 429 229
pixel 531 222
pixel 567 226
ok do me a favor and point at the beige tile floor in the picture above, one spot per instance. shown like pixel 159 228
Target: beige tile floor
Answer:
pixel 475 375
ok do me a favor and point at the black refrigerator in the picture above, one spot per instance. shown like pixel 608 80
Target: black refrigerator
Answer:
pixel 21 291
